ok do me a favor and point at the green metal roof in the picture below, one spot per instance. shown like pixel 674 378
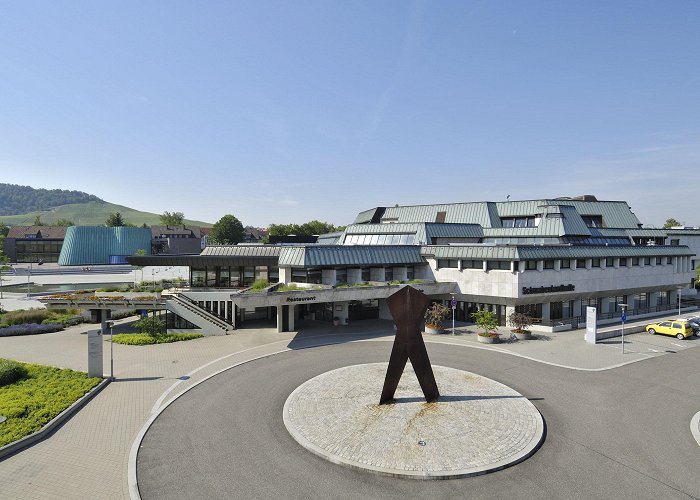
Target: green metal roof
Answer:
pixel 465 213
pixel 549 252
pixel 424 232
pixel 329 238
pixel 96 244
pixel 242 251
pixel 647 233
pixel 351 255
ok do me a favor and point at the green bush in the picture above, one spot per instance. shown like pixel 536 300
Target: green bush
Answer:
pixel 150 325
pixel 260 285
pixel 26 316
pixel 32 402
pixel 11 371
pixel 143 339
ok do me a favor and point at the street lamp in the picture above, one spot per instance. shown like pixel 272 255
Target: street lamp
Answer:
pixel 623 318
pixel 453 303
pixel 679 301
pixel 110 325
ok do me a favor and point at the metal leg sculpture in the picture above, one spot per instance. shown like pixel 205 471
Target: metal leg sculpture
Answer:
pixel 407 307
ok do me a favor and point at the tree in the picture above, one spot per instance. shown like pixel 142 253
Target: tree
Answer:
pixel 64 223
pixel 37 221
pixel 435 314
pixel 227 231
pixel 4 230
pixel 115 220
pixel 172 219
pixel 519 321
pixel 310 228
pixel 3 262
pixel 671 223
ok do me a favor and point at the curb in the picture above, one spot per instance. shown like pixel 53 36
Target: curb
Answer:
pixel 57 421
pixel 695 427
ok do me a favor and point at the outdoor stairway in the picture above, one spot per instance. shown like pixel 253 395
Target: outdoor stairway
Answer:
pixel 190 311
pixel 38 270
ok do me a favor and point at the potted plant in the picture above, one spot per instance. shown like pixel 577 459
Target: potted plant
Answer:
pixel 520 322
pixel 336 321
pixel 434 316
pixel 486 320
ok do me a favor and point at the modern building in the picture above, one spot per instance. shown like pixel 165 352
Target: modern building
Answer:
pixel 550 258
pixel 102 245
pixel 34 243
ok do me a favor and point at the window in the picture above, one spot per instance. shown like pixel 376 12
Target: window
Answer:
pixel 623 261
pixel 595 262
pixel 593 220
pixel 472 264
pixel 658 261
pixel 365 274
pixel 662 299
pixel 635 261
pixel 530 265
pixel 388 273
pixel 440 217
pixel 565 264
pixel 647 261
pixel 675 243
pixel 450 263
pixel 669 260
pixel 609 262
pixel 503 265
pixel 580 263
pixel 549 264
pixel 410 273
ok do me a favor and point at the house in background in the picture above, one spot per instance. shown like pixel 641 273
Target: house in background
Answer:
pixel 174 240
pixel 34 243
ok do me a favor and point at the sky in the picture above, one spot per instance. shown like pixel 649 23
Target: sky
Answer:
pixel 285 112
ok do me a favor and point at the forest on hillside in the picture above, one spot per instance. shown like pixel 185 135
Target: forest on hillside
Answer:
pixel 16 199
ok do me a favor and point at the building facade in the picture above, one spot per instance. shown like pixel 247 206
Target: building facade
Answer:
pixel 549 258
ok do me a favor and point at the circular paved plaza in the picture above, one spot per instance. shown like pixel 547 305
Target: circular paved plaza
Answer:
pixel 476 426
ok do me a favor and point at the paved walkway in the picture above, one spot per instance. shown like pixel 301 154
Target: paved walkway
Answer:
pixel 88 456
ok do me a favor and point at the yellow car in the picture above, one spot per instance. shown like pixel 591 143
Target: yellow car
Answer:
pixel 679 328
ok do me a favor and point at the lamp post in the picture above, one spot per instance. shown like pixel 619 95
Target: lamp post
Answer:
pixel 453 303
pixel 679 301
pixel 29 275
pixel 623 318
pixel 110 325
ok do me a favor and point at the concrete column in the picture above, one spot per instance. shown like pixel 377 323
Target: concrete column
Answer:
pixel 354 275
pixel 509 310
pixel 400 273
pixel 484 268
pixel 616 263
pixel 557 265
pixel 512 266
pixel 545 312
pixel 328 276
pixel 341 312
pixel 576 308
pixel 521 266
pixel 540 266
pixel 292 309
pixel 376 274
pixel 285 274
pixel 280 320
pixel 384 312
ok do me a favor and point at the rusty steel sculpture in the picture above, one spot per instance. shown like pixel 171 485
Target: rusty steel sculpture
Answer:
pixel 407 306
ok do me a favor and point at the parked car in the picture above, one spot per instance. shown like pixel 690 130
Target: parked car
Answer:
pixel 694 323
pixel 678 328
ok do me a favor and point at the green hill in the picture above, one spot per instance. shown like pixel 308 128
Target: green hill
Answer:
pixel 15 199
pixel 93 213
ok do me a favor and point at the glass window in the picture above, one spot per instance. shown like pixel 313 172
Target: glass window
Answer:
pixel 623 261
pixel 197 276
pixel 647 261
pixel 580 263
pixel 388 273
pixel 530 265
pixel 450 263
pixel 635 261
pixel 224 277
pixel 365 274
pixel 669 260
pixel 549 264
pixel 675 243
pixel 595 262
pixel 658 261
pixel 410 272
pixel 341 275
pixel 498 264
pixel 248 275
pixel 299 275
pixel 565 264
pixel 314 276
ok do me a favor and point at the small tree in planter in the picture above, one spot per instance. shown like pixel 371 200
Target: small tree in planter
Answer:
pixel 520 322
pixel 434 316
pixel 486 320
pixel 151 325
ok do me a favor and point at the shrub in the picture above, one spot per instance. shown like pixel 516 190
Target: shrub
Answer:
pixel 26 316
pixel 11 371
pixel 486 320
pixel 435 314
pixel 520 322
pixel 288 287
pixel 143 339
pixel 150 325
pixel 30 329
pixel 259 285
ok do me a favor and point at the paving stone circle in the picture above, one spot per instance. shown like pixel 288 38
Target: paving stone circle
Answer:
pixel 477 425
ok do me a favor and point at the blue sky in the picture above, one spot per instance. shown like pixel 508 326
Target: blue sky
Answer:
pixel 281 112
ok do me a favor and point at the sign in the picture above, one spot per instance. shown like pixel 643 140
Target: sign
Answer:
pixel 528 290
pixel 591 325
pixel 95 354
pixel 454 303
pixel 624 316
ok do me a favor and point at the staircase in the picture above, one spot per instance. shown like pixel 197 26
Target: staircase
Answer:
pixel 210 323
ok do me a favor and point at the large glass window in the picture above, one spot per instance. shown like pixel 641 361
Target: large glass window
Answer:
pixel 580 263
pixel 299 275
pixel 198 276
pixel 662 299
pixel 341 276
pixel 273 274
pixel 451 263
pixel 224 277
pixel 248 275
pixel 365 274
pixel 498 264
pixel 211 277
pixel 388 273
pixel 623 262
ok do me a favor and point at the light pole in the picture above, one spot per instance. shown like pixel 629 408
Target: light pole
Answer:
pixel 453 303
pixel 679 301
pixel 29 275
pixel 623 318
pixel 110 325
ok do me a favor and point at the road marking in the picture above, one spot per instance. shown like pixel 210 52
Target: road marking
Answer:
pixel 679 345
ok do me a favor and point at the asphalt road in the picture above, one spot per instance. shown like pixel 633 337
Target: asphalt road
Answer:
pixel 621 433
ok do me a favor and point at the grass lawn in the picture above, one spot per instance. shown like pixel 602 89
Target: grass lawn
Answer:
pixel 145 339
pixel 32 402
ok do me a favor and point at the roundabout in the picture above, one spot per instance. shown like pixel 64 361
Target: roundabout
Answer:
pixel 476 426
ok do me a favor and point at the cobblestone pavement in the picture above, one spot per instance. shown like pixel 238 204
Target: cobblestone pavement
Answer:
pixel 88 456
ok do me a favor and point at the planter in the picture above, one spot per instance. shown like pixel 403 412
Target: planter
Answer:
pixel 434 331
pixel 523 335
pixel 336 322
pixel 486 340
